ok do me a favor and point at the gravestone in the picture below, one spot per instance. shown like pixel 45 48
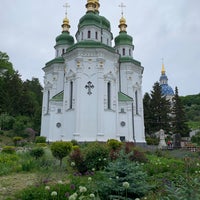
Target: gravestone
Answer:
pixel 162 144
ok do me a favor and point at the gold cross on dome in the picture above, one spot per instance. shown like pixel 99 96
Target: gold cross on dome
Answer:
pixel 122 6
pixel 66 7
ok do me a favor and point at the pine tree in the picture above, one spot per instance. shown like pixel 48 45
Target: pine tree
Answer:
pixel 179 119
pixel 147 113
pixel 160 109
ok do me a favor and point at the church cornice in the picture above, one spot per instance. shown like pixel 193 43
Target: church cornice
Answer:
pixel 59 60
pixel 90 44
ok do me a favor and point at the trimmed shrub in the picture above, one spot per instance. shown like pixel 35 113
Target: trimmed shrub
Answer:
pixel 114 144
pixel 8 149
pixel 17 140
pixel 40 139
pixel 37 152
pixel 96 156
pixel 61 149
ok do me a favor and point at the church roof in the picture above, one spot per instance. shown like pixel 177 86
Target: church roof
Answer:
pixel 58 97
pixel 64 38
pixel 167 90
pixel 124 97
pixel 123 39
pixel 55 61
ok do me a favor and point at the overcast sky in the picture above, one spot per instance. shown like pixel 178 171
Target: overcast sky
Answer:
pixel 168 29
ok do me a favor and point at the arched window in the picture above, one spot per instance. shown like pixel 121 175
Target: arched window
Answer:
pixel 89 34
pixel 129 52
pixel 109 94
pixel 123 51
pixel 63 51
pixel 96 35
pixel 81 35
pixel 71 95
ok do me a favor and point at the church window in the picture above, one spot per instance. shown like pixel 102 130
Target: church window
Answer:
pixel 117 51
pixel 63 51
pixel 81 35
pixel 107 41
pixel 96 35
pixel 109 94
pixel 123 51
pixel 136 102
pixel 129 52
pixel 48 98
pixel 71 95
pixel 89 34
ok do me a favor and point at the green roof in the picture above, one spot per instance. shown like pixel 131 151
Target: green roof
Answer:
pixel 64 38
pixel 123 39
pixel 58 97
pixel 129 59
pixel 124 97
pixel 55 60
pixel 93 18
pixel 91 44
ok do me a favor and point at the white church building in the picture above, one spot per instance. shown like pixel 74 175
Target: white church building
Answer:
pixel 93 90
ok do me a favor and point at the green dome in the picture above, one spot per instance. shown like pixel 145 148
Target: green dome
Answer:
pixel 91 18
pixel 64 39
pixel 123 39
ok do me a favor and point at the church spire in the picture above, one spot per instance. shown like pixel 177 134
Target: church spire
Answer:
pixel 91 5
pixel 163 68
pixel 97 5
pixel 66 26
pixel 122 21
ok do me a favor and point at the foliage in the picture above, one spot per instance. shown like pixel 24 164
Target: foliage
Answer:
pixel 6 121
pixel 77 160
pixel 114 144
pixel 8 149
pixel 157 111
pixel 96 156
pixel 17 140
pixel 61 149
pixel 179 120
pixel 196 138
pixel 152 140
pixel 37 152
pixel 120 171
pixel 40 139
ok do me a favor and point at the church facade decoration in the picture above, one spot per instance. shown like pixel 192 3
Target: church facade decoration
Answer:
pixel 93 90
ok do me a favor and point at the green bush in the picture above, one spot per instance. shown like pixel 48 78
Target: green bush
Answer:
pixel 1 132
pixel 37 152
pixel 40 139
pixel 96 156
pixel 17 140
pixel 152 140
pixel 8 149
pixel 77 161
pixel 61 149
pixel 111 185
pixel 114 144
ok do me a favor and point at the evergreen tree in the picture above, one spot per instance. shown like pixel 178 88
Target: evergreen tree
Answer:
pixel 147 113
pixel 179 119
pixel 5 64
pixel 160 109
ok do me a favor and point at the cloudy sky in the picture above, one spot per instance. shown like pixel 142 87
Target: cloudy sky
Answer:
pixel 168 29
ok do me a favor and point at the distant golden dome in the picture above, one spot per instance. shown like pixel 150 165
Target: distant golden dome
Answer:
pixel 122 20
pixel 65 20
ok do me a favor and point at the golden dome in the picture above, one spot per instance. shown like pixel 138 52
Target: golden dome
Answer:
pixel 90 5
pixel 122 24
pixel 122 20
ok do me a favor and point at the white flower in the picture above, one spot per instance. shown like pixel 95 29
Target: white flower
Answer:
pixel 82 189
pixel 104 159
pixel 137 199
pixel 198 164
pixel 126 185
pixel 60 182
pixel 54 193
pixel 89 178
pixel 93 169
pixel 47 187
pixel 117 177
pixel 73 164
pixel 99 159
pixel 92 195
pixel 73 196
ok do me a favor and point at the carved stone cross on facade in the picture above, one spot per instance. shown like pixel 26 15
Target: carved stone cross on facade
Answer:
pixel 89 86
